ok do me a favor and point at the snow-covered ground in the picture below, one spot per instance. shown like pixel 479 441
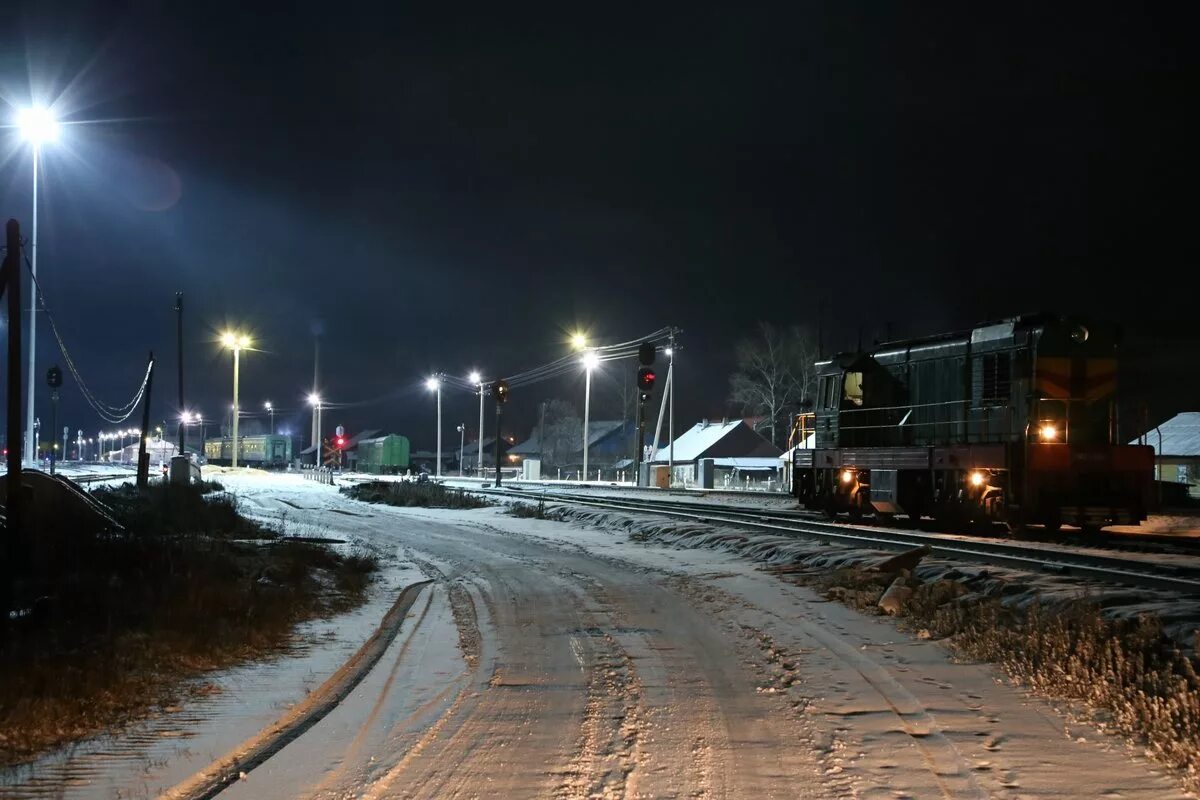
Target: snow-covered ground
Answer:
pixel 549 659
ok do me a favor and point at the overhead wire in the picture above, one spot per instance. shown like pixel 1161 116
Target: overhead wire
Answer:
pixel 111 414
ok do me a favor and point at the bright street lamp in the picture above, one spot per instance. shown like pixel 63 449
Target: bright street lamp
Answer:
pixel 578 341
pixel 477 379
pixel 270 410
pixel 235 342
pixel 590 361
pixel 462 436
pixel 434 384
pixel 37 126
pixel 314 400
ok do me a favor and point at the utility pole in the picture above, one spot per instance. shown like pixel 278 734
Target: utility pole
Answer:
pixel 479 447
pixel 179 345
pixel 143 465
pixel 316 421
pixel 671 422
pixel 497 449
pixel 11 273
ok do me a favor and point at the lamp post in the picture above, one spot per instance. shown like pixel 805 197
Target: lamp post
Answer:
pixel 37 126
pixel 235 342
pixel 271 411
pixel 434 384
pixel 590 361
pixel 462 436
pixel 314 400
pixel 477 379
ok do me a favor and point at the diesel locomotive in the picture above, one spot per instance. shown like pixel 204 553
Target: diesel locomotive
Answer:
pixel 1013 421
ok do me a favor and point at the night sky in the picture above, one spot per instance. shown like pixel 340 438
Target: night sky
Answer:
pixel 434 186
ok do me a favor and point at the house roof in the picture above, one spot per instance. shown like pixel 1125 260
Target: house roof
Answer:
pixel 597 429
pixel 691 444
pixel 1180 435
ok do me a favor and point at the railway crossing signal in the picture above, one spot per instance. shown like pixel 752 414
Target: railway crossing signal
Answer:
pixel 500 395
pixel 646 354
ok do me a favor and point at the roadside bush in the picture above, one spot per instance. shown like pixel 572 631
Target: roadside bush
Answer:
pixel 423 495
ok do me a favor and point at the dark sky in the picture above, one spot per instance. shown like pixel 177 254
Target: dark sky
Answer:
pixel 443 187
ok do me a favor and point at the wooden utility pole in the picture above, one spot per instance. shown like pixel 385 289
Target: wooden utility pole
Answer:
pixel 14 510
pixel 143 464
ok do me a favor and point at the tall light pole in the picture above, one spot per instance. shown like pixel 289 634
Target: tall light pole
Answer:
pixel 434 384
pixel 38 127
pixel 271 411
pixel 477 379
pixel 462 436
pixel 590 361
pixel 314 400
pixel 235 342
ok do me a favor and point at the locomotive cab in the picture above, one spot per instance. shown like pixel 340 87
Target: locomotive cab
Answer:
pixel 1012 421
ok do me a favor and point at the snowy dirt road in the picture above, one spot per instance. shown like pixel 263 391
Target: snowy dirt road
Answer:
pixel 551 660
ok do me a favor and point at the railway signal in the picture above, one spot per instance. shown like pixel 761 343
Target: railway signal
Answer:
pixel 645 380
pixel 500 395
pixel 646 354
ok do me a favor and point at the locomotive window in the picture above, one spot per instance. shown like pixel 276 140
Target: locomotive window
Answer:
pixel 997 377
pixel 853 384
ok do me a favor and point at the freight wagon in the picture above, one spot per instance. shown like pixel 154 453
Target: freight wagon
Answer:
pixel 384 455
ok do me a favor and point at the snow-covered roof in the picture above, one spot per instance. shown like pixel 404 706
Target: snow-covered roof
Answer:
pixel 597 430
pixel 693 443
pixel 1180 435
pixel 747 463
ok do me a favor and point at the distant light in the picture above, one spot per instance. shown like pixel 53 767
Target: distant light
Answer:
pixel 228 339
pixel 578 341
pixel 1048 433
pixel 267 405
pixel 590 360
pixel 475 377
pixel 314 399
pixel 432 383
pixel 978 478
pixel 37 125
pixel 235 341
pixel 669 352
pixel 847 476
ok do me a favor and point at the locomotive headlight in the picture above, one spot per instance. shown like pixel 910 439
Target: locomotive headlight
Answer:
pixel 1048 433
pixel 847 476
pixel 978 478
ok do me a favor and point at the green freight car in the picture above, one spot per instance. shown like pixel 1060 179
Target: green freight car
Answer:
pixel 383 455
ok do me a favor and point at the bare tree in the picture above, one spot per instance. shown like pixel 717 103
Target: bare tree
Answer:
pixel 775 375
pixel 562 436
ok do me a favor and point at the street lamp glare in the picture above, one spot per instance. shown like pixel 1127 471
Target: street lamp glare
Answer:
pixel 578 341
pixel 590 360
pixel 432 384
pixel 228 339
pixel 37 125
pixel 267 405
pixel 314 399
pixel 475 377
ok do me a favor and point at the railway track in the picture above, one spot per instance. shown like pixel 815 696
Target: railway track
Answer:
pixel 1141 571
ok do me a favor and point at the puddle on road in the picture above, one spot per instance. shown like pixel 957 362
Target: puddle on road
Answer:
pixel 155 754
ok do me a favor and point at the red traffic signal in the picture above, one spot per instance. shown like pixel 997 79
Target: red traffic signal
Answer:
pixel 340 442
pixel 646 379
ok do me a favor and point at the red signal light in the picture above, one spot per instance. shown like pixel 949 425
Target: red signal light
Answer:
pixel 645 379
pixel 341 442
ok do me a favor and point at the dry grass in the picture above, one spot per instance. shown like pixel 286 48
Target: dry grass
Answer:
pixel 114 625
pixel 424 495
pixel 1127 671
pixel 530 511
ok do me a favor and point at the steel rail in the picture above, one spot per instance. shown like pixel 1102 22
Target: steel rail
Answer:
pixel 1108 569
